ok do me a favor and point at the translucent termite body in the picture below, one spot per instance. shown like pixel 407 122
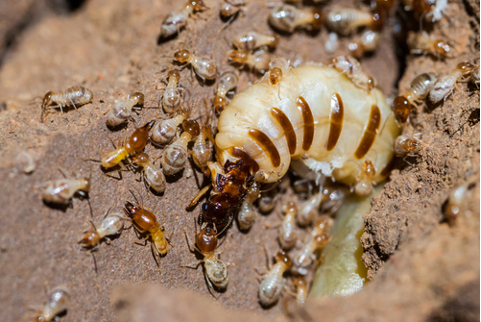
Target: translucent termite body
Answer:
pixel 204 67
pixel 258 61
pixel 111 225
pixel 267 202
pixel 309 209
pixel 287 18
pixel 73 96
pixel 368 42
pixel 273 284
pixel 332 43
pixel 344 21
pixel 152 174
pixel 352 69
pixel 445 84
pixel 247 213
pixel 58 302
pixel 202 150
pixel 277 67
pixel 165 131
pixel 364 186
pixel 122 110
pixel 287 231
pixel 252 40
pixel 146 222
pixel 407 145
pixel 135 144
pixel 227 82
pixel 175 155
pixel 301 289
pixel 231 7
pixel 172 98
pixel 429 9
pixel 422 42
pixel 61 191
pixel 419 90
pixel 215 269
pixel 454 205
pixel 176 20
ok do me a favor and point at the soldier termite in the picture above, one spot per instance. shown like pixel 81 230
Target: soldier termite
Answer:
pixel 287 231
pixel 445 84
pixel 176 20
pixel 61 191
pixel 122 110
pixel 252 40
pixel 422 42
pixel 247 213
pixel 111 225
pixel 344 21
pixel 172 98
pixel 204 67
pixel 175 155
pixel 227 82
pixel 352 69
pixel 407 145
pixel 273 283
pixel 135 144
pixel 368 42
pixel 153 175
pixel 258 61
pixel 215 270
pixel 165 130
pixel 419 90
pixel 73 96
pixel 58 302
pixel 287 18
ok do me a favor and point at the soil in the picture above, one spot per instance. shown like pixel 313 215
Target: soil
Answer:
pixel 420 267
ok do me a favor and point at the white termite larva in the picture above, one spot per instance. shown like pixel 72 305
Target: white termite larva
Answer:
pixel 111 225
pixel 204 67
pixel 273 284
pixel 344 21
pixel 152 174
pixel 287 18
pixel 73 96
pixel 352 69
pixel 176 20
pixel 331 43
pixel 258 61
pixel 247 213
pixel 122 110
pixel 287 231
pixel 164 131
pixel 58 302
pixel 445 84
pixel 251 40
pixel 61 191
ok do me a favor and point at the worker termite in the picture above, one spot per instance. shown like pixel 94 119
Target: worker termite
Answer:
pixel 452 208
pixel 204 67
pixel 215 269
pixel 287 231
pixel 368 42
pixel 247 213
pixel 287 18
pixel 352 69
pixel 153 175
pixel 73 96
pixel 364 186
pixel 61 191
pixel 227 82
pixel 202 150
pixel 58 302
pixel 419 90
pixel 301 289
pixel 267 202
pixel 122 110
pixel 258 61
pixel 430 9
pixel 252 40
pixel 135 144
pixel 277 67
pixel 176 20
pixel 229 8
pixel 407 145
pixel 273 284
pixel 422 42
pixel 445 84
pixel 172 98
pixel 175 155
pixel 111 225
pixel 165 130
pixel 328 197
pixel 344 21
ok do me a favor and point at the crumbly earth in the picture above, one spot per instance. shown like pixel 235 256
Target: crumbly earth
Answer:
pixel 420 267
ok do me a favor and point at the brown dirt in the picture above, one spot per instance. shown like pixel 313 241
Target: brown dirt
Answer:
pixel 421 268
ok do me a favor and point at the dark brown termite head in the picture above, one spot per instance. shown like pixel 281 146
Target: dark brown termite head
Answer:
pixel 402 109
pixel 321 240
pixel 182 56
pixel 238 56
pixel 465 68
pixel 219 103
pixel 174 75
pixel 282 257
pixel 90 239
pixel 192 127
pixel 139 138
pixel 131 209
pixel 207 240
pixel 47 99
pixel 140 98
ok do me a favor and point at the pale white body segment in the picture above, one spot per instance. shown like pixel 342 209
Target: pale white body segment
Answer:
pixel 58 302
pixel 61 191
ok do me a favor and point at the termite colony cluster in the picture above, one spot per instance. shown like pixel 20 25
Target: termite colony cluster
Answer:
pixel 257 140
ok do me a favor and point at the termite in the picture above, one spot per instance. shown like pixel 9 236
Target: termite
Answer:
pixel 364 186
pixel 252 40
pixel 204 67
pixel 73 96
pixel 258 61
pixel 215 269
pixel 172 98
pixel 165 131
pixel 352 69
pixel 202 150
pixel 445 84
pixel 452 209
pixel 432 9
pixel 419 90
pixel 422 42
pixel 58 302
pixel 247 213
pixel 368 42
pixel 407 145
pixel 227 82
pixel 277 67
pixel 231 7
pixel 61 191
pixel 344 21
pixel 111 225
pixel 135 144
pixel 122 110
pixel 287 18
pixel 287 231
pixel 273 284
pixel 175 155
pixel 176 20
pixel 328 197
pixel 153 175
pixel 301 289
pixel 267 201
